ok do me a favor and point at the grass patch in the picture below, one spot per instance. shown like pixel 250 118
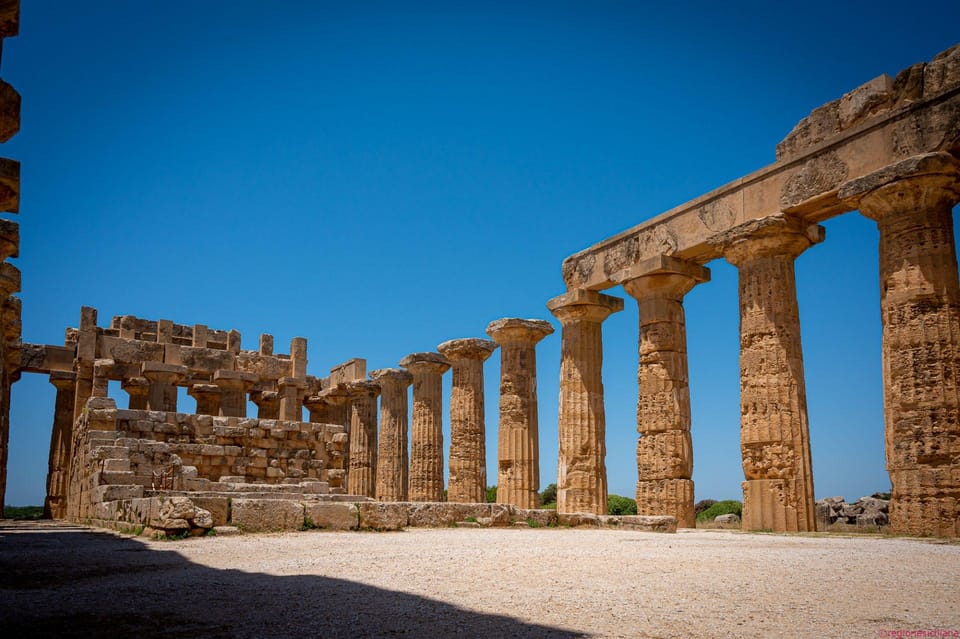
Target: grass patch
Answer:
pixel 470 519
pixel 23 512
pixel 533 523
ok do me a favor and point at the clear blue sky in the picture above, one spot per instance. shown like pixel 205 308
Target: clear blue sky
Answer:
pixel 380 177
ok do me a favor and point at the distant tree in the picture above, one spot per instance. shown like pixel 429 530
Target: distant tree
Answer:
pixel 491 494
pixel 881 496
pixel 618 505
pixel 702 505
pixel 721 508
pixel 549 495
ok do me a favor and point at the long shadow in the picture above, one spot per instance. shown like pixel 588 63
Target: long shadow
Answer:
pixel 63 581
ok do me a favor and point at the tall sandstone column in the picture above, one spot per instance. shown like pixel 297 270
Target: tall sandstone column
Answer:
pixel 362 471
pixel 664 449
pixel 426 436
pixel 61 442
pixel 518 440
pixel 912 203
pixel 582 472
pixel 392 460
pixel 468 456
pixel 774 434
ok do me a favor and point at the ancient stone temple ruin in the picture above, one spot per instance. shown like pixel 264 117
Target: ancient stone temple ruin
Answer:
pixel 889 149
pixel 345 449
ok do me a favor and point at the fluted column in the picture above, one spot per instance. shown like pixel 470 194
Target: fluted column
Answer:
pixel 392 459
pixel 581 421
pixel 912 204
pixel 426 436
pixel 267 401
pixel 137 388
pixel 362 471
pixel 664 449
pixel 339 397
pixel 774 433
pixel 207 397
pixel 234 386
pixel 61 442
pixel 518 438
pixel 163 378
pixel 468 455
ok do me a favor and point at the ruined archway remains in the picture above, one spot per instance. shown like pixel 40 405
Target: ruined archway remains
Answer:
pixel 890 149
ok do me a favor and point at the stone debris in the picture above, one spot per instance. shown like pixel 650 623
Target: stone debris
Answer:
pixel 866 511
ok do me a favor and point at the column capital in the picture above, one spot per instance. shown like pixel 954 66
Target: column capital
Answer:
pixel 9 279
pixel 136 385
pixel 9 239
pixel 584 304
pixel 418 363
pixel 264 397
pixel 466 348
pixel 314 402
pixel 202 390
pixel 163 373
pixel 921 182
pixel 516 330
pixel 392 376
pixel 767 236
pixel 63 380
pixel 364 388
pixel 662 274
pixel 339 394
pixel 239 380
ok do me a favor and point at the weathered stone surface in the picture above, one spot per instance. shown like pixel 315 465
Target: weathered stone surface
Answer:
pixel 332 516
pixel 581 472
pixel 362 475
pixel 774 434
pixel 383 516
pixel 536 517
pixel 392 455
pixel 267 515
pixel 519 440
pixel 664 450
pixel 912 203
pixel 730 519
pixel 426 437
pixel 438 515
pixel 468 466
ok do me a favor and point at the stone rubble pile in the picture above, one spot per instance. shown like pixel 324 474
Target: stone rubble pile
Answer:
pixel 866 511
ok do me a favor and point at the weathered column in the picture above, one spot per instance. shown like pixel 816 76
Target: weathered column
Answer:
pixel 912 204
pixel 86 353
pixel 291 398
pixel 208 398
pixel 664 449
pixel 338 398
pixel 234 386
pixel 774 434
pixel 102 369
pixel 163 385
pixel 319 409
pixel 392 461
pixel 518 440
pixel 137 388
pixel 268 401
pixel 362 471
pixel 61 442
pixel 468 454
pixel 426 437
pixel 582 473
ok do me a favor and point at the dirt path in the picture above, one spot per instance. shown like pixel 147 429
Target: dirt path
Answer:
pixel 57 580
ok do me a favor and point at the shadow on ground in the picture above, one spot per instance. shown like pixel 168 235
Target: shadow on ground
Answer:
pixel 63 581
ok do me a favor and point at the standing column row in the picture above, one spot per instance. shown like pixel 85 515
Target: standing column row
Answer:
pixel 426 438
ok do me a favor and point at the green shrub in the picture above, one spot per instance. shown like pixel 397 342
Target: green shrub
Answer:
pixel 617 505
pixel 702 505
pixel 721 508
pixel 491 494
pixel 549 495
pixel 23 512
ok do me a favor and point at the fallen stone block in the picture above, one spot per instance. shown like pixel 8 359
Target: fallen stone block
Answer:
pixel 384 516
pixel 266 515
pixel 332 516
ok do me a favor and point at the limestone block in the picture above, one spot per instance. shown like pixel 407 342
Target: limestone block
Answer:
pixel 539 517
pixel 333 516
pixel 662 523
pixel 665 455
pixel 384 515
pixel 578 519
pixel 266 515
pixel 218 507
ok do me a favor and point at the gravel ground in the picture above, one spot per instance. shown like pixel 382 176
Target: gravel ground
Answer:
pixel 62 581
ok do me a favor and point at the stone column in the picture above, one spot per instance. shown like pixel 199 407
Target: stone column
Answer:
pixel 291 398
pixel 912 204
pixel 268 402
pixel 319 409
pixel 137 388
pixel 338 398
pixel 518 440
pixel 664 449
pixel 208 398
pixel 102 370
pixel 163 379
pixel 392 460
pixel 234 386
pixel 86 353
pixel 582 473
pixel 61 442
pixel 774 434
pixel 362 471
pixel 426 437
pixel 468 454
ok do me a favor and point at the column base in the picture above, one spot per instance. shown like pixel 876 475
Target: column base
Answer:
pixel 776 505
pixel 925 502
pixel 667 497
